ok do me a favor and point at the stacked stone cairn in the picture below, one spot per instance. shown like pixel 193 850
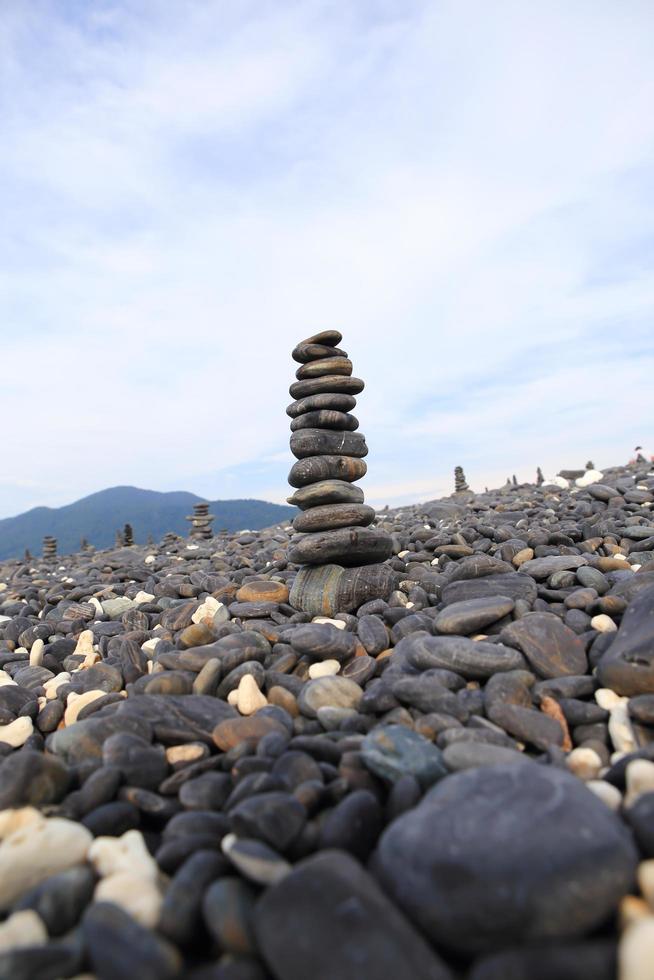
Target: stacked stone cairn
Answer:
pixel 128 535
pixel 201 521
pixel 460 485
pixel 540 479
pixel 340 552
pixel 49 547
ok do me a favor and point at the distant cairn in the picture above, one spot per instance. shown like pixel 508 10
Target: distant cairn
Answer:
pixel 514 480
pixel 119 540
pixel 540 479
pixel 201 521
pixel 460 485
pixel 128 535
pixel 169 539
pixel 49 547
pixel 590 465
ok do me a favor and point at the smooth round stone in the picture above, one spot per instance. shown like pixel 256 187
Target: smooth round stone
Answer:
pixel 499 856
pixel 31 854
pixel 641 708
pixel 325 419
pixel 331 692
pixel 540 568
pixel 255 860
pixel 140 763
pixel 228 912
pixel 329 589
pixel 346 546
pixel 182 904
pixel 263 591
pixel 315 469
pixel 511 585
pixel 628 665
pixel 32 779
pixel 592 578
pixel 304 353
pixel 327 401
pixel 322 641
pixel 391 751
pixel 472 659
pixel 324 442
pixel 472 615
pixel 329 919
pixel 550 646
pixel 326 493
pixel 471 755
pixel 331 516
pixel 324 366
pixel 61 899
pixel 329 338
pixel 337 383
pixel 275 818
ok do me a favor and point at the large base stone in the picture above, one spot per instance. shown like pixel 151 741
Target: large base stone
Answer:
pixel 330 589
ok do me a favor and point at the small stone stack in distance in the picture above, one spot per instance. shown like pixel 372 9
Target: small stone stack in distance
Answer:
pixel 460 485
pixel 49 547
pixel 334 526
pixel 201 521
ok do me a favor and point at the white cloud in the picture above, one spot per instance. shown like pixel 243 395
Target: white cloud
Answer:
pixel 189 189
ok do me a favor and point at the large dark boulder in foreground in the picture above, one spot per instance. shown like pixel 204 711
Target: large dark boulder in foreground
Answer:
pixel 503 855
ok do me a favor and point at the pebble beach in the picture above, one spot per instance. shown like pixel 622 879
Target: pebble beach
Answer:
pixel 456 781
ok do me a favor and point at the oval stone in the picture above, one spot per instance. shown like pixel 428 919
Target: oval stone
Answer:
pixel 324 366
pixel 330 589
pixel 330 382
pixel 326 492
pixel 345 546
pixel 327 400
pixel 325 419
pixel 305 352
pixel 324 442
pixel 328 517
pixel 315 469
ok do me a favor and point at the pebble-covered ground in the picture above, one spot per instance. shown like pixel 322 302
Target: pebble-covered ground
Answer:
pixel 456 782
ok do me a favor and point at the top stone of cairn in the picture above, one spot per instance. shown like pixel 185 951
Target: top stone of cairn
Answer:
pixel 334 526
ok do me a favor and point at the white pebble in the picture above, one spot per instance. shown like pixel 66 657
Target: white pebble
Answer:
pixel 324 668
pixel 232 697
pixel 75 703
pixel 35 852
pixel 620 731
pixel 51 686
pixel 16 732
pixel 150 645
pixel 607 793
pixel 149 560
pixel 590 476
pixel 111 855
pixel 143 597
pixel 249 698
pixel 636 950
pixel 206 611
pixel 12 820
pixel 36 653
pixel 84 643
pixel 5 679
pixel 189 752
pixel 606 698
pixel 584 763
pixel 24 928
pixel 137 895
pixel 603 623
pixel 640 779
pixel 338 623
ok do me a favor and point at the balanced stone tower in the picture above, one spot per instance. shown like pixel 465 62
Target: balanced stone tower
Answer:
pixel 340 551
pixel 128 535
pixel 460 485
pixel 540 479
pixel 49 547
pixel 201 521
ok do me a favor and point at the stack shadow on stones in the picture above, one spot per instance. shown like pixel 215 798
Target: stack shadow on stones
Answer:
pixel 340 551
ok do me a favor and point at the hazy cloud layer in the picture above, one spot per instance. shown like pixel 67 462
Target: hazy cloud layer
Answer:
pixel 464 189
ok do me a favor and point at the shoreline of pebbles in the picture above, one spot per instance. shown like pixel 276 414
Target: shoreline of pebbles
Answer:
pixel 453 782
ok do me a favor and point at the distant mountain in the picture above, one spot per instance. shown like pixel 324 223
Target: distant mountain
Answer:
pixel 98 517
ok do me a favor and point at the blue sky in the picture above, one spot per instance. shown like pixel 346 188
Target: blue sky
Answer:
pixel 464 189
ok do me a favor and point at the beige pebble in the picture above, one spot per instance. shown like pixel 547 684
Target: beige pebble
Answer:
pixel 324 668
pixel 620 731
pixel 646 881
pixel 632 907
pixel 150 645
pixel 51 686
pixel 16 732
pixel 603 623
pixel 607 793
pixel 232 697
pixel 606 698
pixel 137 895
pixel 206 611
pixel 185 753
pixel 338 623
pixel 525 554
pixel 16 819
pixel 143 597
pixel 75 703
pixel 636 950
pixel 249 697
pixel 24 928
pixel 639 778
pixel 84 643
pixel 584 763
pixel 35 852
pixel 149 560
pixel 5 679
pixel 36 653
pixel 112 855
